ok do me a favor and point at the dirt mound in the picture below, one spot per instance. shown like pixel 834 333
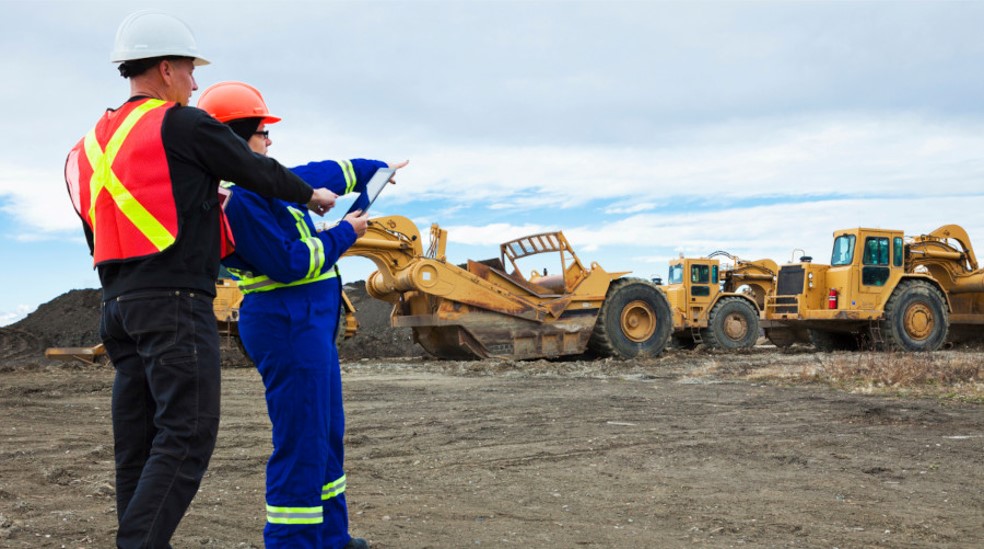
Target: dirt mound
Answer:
pixel 69 320
pixel 19 347
pixel 375 338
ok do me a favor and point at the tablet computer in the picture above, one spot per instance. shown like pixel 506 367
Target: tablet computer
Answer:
pixel 374 188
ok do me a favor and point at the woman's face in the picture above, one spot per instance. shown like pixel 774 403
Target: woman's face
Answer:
pixel 259 142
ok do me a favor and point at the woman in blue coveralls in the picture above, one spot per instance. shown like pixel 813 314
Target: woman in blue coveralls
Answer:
pixel 289 315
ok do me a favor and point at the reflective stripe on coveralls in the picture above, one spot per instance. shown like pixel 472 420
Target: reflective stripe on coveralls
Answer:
pixel 349 172
pixel 305 515
pixel 332 489
pixel 248 283
pixel 294 515
pixel 104 178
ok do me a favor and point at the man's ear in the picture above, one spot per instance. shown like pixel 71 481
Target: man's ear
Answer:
pixel 165 68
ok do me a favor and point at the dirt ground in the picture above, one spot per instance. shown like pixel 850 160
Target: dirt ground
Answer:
pixel 689 449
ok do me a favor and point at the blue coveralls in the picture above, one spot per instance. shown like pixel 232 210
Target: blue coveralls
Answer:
pixel 287 324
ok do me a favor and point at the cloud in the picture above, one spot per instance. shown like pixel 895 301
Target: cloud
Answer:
pixel 789 161
pixel 37 202
pixel 20 311
pixel 797 157
pixel 644 129
pixel 492 234
pixel 629 207
pixel 772 231
pixel 615 73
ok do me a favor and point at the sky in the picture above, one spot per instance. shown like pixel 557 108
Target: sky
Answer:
pixel 642 130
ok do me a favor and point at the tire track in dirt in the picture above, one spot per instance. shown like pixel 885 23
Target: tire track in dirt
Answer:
pixel 19 346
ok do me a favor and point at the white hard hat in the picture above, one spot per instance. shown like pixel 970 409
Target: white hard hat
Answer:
pixel 149 33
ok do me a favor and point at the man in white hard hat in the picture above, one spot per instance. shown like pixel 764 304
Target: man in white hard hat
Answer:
pixel 145 182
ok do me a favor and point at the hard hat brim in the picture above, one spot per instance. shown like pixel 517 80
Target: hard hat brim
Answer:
pixel 122 57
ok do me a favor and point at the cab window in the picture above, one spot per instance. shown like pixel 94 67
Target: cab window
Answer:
pixel 843 250
pixel 899 249
pixel 700 291
pixel 875 251
pixel 700 274
pixel 676 274
pixel 875 270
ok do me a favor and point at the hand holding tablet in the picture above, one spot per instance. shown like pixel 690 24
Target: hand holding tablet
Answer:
pixel 375 187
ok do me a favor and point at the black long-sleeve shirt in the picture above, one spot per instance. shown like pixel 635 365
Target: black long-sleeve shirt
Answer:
pixel 200 153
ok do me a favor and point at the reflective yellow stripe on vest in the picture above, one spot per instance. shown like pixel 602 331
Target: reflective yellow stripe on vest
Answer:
pixel 294 515
pixel 349 172
pixel 333 489
pixel 104 178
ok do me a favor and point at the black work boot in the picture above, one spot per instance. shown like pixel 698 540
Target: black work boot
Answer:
pixel 357 543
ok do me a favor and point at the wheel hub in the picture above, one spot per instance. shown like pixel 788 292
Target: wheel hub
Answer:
pixel 919 322
pixel 638 321
pixel 735 327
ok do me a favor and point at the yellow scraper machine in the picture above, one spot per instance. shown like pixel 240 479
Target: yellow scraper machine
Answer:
pixel 885 290
pixel 718 305
pixel 881 290
pixel 490 309
pixel 88 355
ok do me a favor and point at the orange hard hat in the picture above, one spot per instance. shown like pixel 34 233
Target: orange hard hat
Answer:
pixel 227 101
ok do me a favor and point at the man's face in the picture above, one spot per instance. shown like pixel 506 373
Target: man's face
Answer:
pixel 180 78
pixel 259 142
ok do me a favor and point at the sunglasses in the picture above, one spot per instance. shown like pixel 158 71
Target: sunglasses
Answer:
pixel 265 134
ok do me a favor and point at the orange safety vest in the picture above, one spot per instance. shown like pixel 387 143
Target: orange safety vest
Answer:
pixel 120 184
pixel 228 242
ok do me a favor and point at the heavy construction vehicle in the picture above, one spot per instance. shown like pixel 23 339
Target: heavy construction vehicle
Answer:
pixel 88 355
pixel 226 304
pixel 885 290
pixel 718 305
pixel 490 309
pixel 757 279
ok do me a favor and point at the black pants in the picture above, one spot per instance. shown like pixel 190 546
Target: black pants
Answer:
pixel 165 347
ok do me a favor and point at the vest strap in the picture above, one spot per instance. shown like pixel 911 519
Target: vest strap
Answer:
pixel 103 178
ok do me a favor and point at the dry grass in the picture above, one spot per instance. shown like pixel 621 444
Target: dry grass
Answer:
pixel 950 374
pixel 944 374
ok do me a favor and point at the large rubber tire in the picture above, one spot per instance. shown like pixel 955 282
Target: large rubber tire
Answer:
pixel 782 338
pixel 242 349
pixel 683 342
pixel 340 327
pixel 634 321
pixel 732 324
pixel 916 318
pixel 826 342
